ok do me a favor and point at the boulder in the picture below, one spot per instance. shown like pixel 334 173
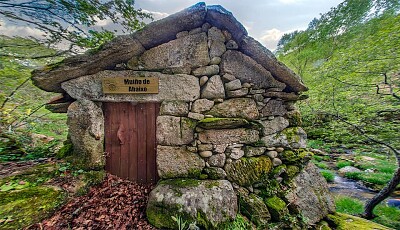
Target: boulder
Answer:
pixel 206 71
pixel 215 61
pixel 266 58
pixel 217 160
pixel 165 30
pixel 348 169
pixel 293 137
pixel 277 208
pixel 247 70
pixel 202 105
pixel 248 170
pixel 235 153
pixel 237 93
pixel 296 156
pixel 310 195
pixel 205 147
pixel 222 123
pixel 175 130
pixel 196 116
pixel 216 42
pixel 86 130
pixel 215 173
pixel 206 154
pixel 231 45
pixel 203 80
pixel 118 50
pixel 274 108
pixel 228 136
pixel 213 89
pixel 223 19
pixel 294 118
pixel 272 154
pixel 180 87
pixel 251 151
pixel 233 85
pixel 175 162
pixel 188 51
pixel 236 108
pixel 254 208
pixel 209 203
pixel 349 222
pixel 274 126
pixel 174 108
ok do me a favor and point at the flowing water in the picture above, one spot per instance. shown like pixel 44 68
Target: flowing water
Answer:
pixel 347 187
pixel 352 188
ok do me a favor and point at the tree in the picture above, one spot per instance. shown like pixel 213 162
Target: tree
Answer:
pixel 353 70
pixel 74 21
pixel 68 26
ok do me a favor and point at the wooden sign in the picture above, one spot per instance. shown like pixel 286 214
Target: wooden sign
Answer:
pixel 135 85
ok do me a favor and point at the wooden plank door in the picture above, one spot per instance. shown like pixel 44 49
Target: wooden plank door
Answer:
pixel 130 140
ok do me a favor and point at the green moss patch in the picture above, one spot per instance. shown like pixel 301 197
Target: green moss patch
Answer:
pixel 21 208
pixel 248 170
pixel 296 156
pixel 342 221
pixel 181 183
pixel 277 208
pixel 35 176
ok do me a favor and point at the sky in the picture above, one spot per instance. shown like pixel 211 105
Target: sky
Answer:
pixel 265 20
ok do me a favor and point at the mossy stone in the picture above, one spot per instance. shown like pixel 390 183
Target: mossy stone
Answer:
pixel 28 206
pixel 296 156
pixel 277 208
pixel 222 123
pixel 248 170
pixel 341 221
pixel 292 171
pixel 180 182
pixel 294 118
pixel 66 150
pixel 255 209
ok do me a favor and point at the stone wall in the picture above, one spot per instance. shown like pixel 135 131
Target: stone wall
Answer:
pixel 228 133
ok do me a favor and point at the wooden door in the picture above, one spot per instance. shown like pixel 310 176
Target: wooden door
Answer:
pixel 130 140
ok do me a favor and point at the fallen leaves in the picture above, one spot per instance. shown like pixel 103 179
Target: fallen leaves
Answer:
pixel 116 204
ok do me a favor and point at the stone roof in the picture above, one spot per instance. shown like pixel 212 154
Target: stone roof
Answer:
pixel 123 48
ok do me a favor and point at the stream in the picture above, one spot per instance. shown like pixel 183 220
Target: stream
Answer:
pixel 347 187
pixel 352 188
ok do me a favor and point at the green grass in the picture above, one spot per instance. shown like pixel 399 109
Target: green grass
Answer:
pixel 388 216
pixel 321 165
pixel 373 178
pixel 348 205
pixel 328 175
pixel 342 164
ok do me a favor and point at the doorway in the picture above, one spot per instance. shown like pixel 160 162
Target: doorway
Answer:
pixel 130 140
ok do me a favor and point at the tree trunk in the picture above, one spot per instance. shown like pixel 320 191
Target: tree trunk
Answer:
pixel 384 193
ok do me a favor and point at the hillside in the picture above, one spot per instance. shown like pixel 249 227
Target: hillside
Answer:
pixel 21 104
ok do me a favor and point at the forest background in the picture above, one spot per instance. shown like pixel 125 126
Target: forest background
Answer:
pixel 349 58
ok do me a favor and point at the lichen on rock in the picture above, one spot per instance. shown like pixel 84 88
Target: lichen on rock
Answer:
pixel 222 123
pixel 248 170
pixel 277 208
pixel 209 203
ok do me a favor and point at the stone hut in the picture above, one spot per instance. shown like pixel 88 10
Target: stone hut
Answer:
pixel 195 104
